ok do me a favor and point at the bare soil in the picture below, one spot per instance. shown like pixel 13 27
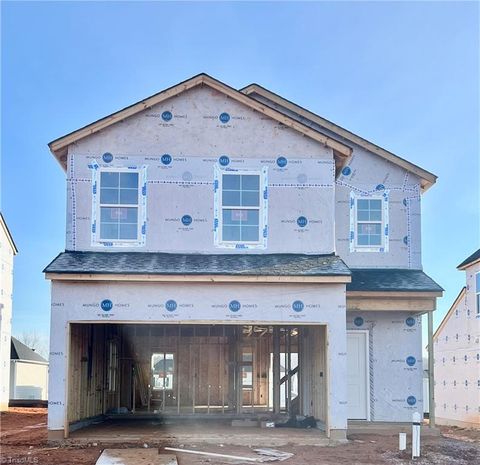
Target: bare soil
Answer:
pixel 23 433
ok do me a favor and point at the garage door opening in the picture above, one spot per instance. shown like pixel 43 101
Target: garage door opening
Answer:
pixel 126 371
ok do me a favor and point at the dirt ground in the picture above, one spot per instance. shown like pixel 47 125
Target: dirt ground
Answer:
pixel 23 433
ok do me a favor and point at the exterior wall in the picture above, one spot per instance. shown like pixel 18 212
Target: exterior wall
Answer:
pixel 6 289
pixel 369 174
pixel 28 380
pixel 395 359
pixel 197 304
pixel 196 139
pixel 457 362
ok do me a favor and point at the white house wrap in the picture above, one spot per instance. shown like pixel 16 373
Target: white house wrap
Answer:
pixel 231 254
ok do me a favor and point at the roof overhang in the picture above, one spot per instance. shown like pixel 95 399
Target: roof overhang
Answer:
pixel 8 234
pixel 470 261
pixel 427 178
pixel 59 147
pixel 457 300
pixel 416 302
pixel 196 278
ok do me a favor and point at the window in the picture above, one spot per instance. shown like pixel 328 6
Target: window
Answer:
pixel 240 209
pixel 369 223
pixel 163 370
pixel 477 291
pixel 119 200
pixel 118 206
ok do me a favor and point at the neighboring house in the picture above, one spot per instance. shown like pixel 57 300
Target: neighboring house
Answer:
pixel 7 251
pixel 215 236
pixel 28 376
pixel 457 354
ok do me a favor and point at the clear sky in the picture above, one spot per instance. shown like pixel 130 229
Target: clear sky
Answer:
pixel 403 75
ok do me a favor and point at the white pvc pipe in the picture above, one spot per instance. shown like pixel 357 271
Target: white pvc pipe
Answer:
pixel 402 441
pixel 416 435
pixel 211 454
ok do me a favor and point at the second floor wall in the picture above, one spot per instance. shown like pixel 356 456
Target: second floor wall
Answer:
pixel 201 173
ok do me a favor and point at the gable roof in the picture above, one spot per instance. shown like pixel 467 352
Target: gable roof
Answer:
pixel 19 351
pixel 59 146
pixel 474 258
pixel 459 297
pixel 427 178
pixel 8 234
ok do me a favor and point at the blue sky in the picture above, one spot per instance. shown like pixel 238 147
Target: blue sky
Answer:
pixel 403 75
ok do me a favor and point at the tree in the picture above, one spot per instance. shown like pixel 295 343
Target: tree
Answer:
pixel 37 342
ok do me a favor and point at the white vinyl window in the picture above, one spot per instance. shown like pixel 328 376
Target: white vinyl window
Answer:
pixel 477 292
pixel 118 206
pixel 240 207
pixel 369 222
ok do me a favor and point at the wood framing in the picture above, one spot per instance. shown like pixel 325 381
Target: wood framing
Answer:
pixel 428 179
pixel 393 301
pixel 59 146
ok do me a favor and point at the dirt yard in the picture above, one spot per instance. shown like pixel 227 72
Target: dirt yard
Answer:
pixel 24 441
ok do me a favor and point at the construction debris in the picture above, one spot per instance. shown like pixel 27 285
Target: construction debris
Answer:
pixel 273 455
pixel 212 454
pixel 135 457
pixel 267 455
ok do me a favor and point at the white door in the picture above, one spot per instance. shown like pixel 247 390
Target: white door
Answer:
pixel 357 371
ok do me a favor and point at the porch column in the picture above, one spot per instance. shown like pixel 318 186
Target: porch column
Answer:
pixel 431 377
pixel 337 377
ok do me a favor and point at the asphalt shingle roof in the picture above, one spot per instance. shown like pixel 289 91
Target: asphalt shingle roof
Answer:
pixel 473 258
pixel 385 279
pixel 388 279
pixel 19 351
pixel 198 264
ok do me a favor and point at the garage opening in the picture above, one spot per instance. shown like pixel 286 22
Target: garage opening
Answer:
pixel 127 371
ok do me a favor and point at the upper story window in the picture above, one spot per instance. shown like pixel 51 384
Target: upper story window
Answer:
pixel 240 209
pixel 477 292
pixel 118 207
pixel 369 223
